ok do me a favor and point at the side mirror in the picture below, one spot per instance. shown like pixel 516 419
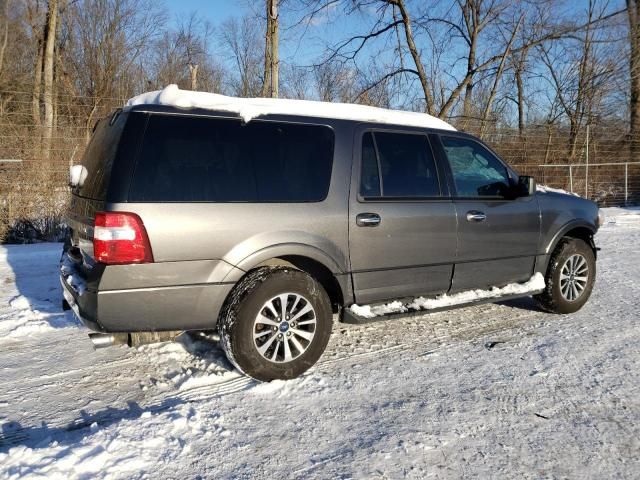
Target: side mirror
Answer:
pixel 526 186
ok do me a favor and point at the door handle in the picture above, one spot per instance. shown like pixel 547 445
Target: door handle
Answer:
pixel 368 220
pixel 476 216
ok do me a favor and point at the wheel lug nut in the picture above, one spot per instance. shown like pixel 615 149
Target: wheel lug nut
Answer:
pixel 288 334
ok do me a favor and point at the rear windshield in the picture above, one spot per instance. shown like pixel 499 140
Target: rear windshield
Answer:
pixel 99 155
pixel 199 159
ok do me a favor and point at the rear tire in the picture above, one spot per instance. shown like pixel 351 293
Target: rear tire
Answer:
pixel 570 277
pixel 254 327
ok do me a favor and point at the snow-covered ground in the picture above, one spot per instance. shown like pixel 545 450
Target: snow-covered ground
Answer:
pixel 498 391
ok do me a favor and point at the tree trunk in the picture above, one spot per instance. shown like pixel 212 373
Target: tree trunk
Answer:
pixel 496 80
pixel 633 11
pixel 5 35
pixel 50 41
pixel 271 54
pixel 573 138
pixel 520 100
pixel 275 59
pixel 406 22
pixel 37 85
pixel 193 72
pixel 266 81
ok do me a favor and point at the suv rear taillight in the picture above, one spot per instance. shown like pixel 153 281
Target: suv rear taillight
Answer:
pixel 119 238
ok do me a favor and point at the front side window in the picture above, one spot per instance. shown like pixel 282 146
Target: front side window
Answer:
pixel 199 159
pixel 476 171
pixel 397 165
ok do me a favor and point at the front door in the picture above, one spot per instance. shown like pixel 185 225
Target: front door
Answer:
pixel 497 234
pixel 402 225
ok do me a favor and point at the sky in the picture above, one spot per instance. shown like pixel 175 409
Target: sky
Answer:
pixel 300 46
pixel 215 11
pixel 305 46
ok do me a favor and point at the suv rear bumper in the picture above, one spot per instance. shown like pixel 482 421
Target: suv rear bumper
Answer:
pixel 160 308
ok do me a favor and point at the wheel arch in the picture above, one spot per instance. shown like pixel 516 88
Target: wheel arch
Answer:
pixel 575 229
pixel 308 259
pixel 315 269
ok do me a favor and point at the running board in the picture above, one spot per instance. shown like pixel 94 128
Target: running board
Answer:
pixel 348 316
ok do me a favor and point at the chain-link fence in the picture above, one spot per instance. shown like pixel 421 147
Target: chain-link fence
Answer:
pixel 595 162
pixel 598 162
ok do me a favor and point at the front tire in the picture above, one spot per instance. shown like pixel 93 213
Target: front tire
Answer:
pixel 276 323
pixel 570 277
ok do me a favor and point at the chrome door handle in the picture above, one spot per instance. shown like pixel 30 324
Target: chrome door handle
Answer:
pixel 368 220
pixel 476 216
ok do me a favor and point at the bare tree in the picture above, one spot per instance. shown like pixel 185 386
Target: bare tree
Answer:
pixel 579 75
pixel 34 17
pixel 49 46
pixel 107 38
pixel 242 43
pixel 633 14
pixel 182 56
pixel 271 52
pixel 295 82
pixel 192 39
pixel 477 32
pixel 5 32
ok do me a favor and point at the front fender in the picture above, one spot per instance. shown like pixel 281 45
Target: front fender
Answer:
pixel 567 227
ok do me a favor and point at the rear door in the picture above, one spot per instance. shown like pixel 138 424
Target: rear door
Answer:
pixel 402 226
pixel 497 234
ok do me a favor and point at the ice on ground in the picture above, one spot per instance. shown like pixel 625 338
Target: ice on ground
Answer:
pixel 534 284
pixel 250 108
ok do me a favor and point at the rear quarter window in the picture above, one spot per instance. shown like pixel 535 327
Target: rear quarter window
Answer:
pixel 99 156
pixel 199 159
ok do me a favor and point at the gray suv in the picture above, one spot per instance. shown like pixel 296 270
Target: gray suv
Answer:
pixel 196 219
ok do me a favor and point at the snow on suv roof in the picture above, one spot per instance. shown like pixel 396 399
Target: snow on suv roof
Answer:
pixel 248 108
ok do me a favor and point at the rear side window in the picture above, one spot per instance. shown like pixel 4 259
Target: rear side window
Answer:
pixel 199 159
pixel 476 171
pixel 397 165
pixel 99 156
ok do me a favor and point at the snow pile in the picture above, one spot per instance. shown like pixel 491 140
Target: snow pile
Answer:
pixel 250 108
pixel 546 189
pixel 370 311
pixel 192 361
pixel 534 284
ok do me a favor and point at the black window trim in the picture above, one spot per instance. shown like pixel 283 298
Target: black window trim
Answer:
pixel 397 199
pixel 452 184
pixel 226 116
